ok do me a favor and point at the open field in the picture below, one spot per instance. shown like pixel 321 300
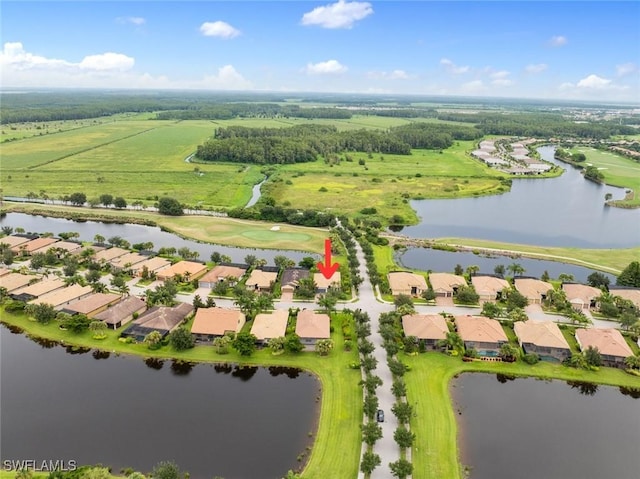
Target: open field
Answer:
pixel 385 182
pixel 617 170
pixel 208 229
pixel 435 452
pixel 341 410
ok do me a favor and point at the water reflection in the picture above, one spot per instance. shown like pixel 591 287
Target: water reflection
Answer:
pixel 223 368
pixel 14 329
pixel 631 392
pixel 244 372
pixel 154 363
pixel 291 373
pixel 77 350
pixel 98 354
pixel 45 343
pixel 503 378
pixel 181 368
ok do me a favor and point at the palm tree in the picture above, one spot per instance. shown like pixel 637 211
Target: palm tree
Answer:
pixel 327 302
pixel 452 342
pixel 632 362
pixel 99 239
pixel 516 269
pixel 473 269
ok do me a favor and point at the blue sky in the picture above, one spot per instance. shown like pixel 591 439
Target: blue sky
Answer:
pixel 532 49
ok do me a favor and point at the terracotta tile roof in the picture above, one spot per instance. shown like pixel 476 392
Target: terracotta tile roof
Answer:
pixel 322 282
pixel 67 246
pixel 425 326
pixel 217 321
pixel 580 293
pixel 544 334
pixel 153 264
pixel 632 294
pixel 262 279
pixel 14 241
pixel 163 318
pixel 223 271
pixel 36 244
pixel 64 295
pixel 446 281
pixel 609 342
pixel 128 259
pixel 532 288
pixel 5 271
pixel 13 281
pixel 121 310
pixel 402 280
pixel 42 287
pixel 272 325
pixel 480 329
pixel 488 285
pixel 110 253
pixel 312 325
pixel 92 302
pixel 182 267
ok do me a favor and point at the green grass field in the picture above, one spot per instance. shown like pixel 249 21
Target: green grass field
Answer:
pixel 341 404
pixel 617 170
pixel 386 182
pixel 435 452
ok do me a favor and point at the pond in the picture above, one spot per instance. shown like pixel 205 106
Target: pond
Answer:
pixel 563 211
pixel 445 261
pixel 124 412
pixel 530 429
pixel 139 234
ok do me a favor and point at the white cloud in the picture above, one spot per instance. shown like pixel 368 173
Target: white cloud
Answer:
pixel 218 29
pixel 626 69
pixel 534 68
pixel 227 78
pixel 594 86
pixel 499 75
pixel 557 41
pixel 107 62
pixel 594 81
pixel 453 68
pixel 323 68
pixel 338 15
pixel 137 21
pixel 392 75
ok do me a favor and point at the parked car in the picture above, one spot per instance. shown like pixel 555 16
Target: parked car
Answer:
pixel 380 415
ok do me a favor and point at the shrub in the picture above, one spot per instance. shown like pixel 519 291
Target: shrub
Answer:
pixel 531 358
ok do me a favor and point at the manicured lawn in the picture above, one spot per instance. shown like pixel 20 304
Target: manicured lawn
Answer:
pixel 341 410
pixel 617 170
pixel 211 229
pixel 435 452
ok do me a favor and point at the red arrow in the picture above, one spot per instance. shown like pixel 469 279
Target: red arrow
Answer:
pixel 327 269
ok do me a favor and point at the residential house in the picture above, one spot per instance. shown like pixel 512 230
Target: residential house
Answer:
pixel 14 281
pixel 35 244
pixel 489 288
pixel 38 289
pixel 163 319
pixel 311 327
pixel 543 338
pixel 484 335
pixel 581 296
pixel 228 272
pixel 270 325
pixel 5 271
pixel 428 328
pixel 323 284
pixel 532 289
pixel 153 265
pixel 14 241
pixel 63 296
pixel 260 280
pixel 121 313
pixel 66 247
pixel 93 304
pixel 210 323
pixel 291 278
pixel 446 284
pixel 188 270
pixel 127 261
pixel 109 254
pixel 631 294
pixel 409 284
pixel 610 343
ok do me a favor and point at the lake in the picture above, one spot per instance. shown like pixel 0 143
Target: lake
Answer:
pixel 121 411
pixel 532 429
pixel 445 261
pixel 563 211
pixel 139 234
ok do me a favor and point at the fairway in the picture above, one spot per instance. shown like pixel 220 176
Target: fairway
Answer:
pixel 275 236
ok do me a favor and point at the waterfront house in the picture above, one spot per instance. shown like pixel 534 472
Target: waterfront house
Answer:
pixel 410 284
pixel 291 278
pixel 581 296
pixel 428 328
pixel 109 254
pixel 163 319
pixel 14 281
pixel 35 290
pixel 482 334
pixel 610 343
pixel 543 338
pixel 311 327
pixel 532 289
pixel 121 313
pixel 64 247
pixel 210 323
pixel 153 265
pixel 35 244
pixel 63 296
pixel 446 284
pixel 230 273
pixel 260 280
pixel 628 293
pixel 93 304
pixel 270 325
pixel 188 270
pixel 14 241
pixel 489 288
pixel 323 284
pixel 127 261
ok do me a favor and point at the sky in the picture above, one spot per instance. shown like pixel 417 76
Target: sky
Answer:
pixel 528 49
